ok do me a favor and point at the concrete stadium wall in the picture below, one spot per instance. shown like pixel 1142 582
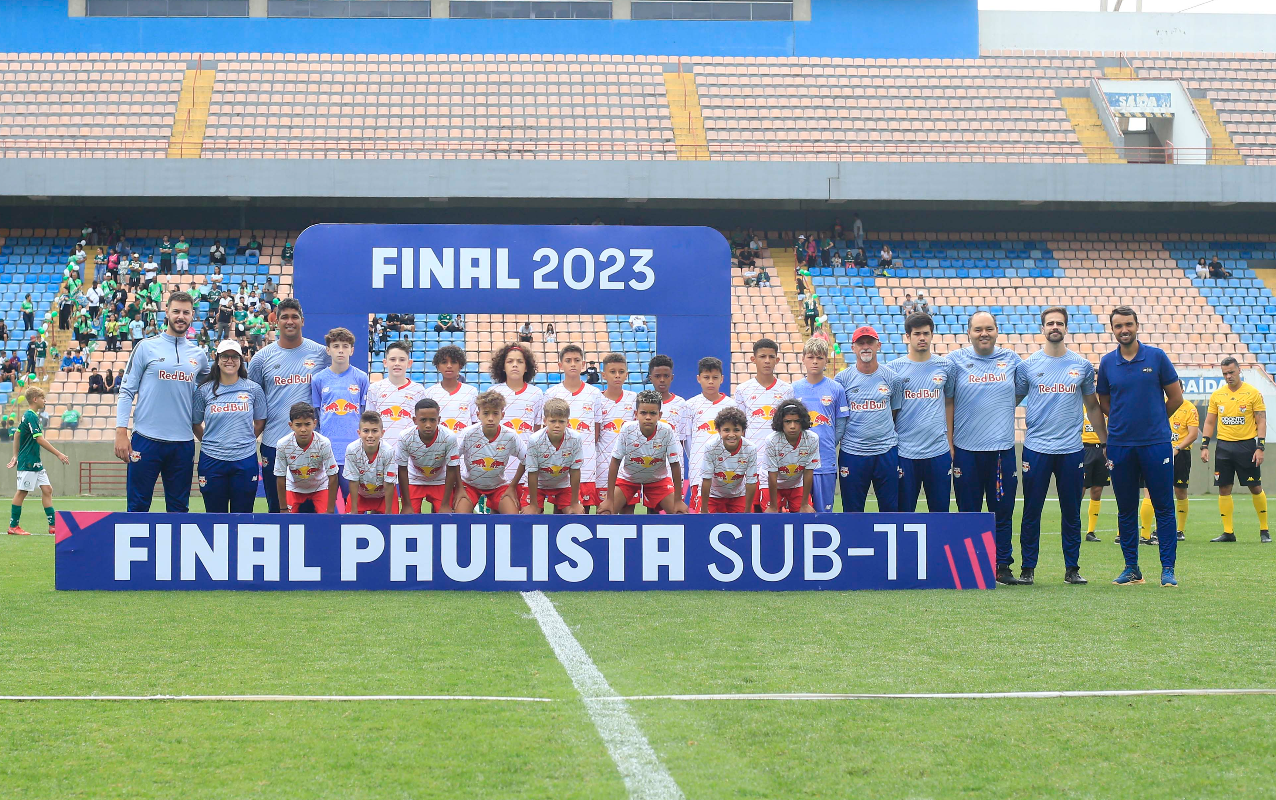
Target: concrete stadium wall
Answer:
pixel 827 184
pixel 845 28
pixel 1127 33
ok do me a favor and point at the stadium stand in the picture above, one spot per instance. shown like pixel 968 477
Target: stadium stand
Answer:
pixel 1000 107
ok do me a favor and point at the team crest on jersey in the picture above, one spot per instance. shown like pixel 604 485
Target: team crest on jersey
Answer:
pixel 883 388
pixel 243 397
pixel 134 456
pixel 1024 466
pixel 827 399
pixel 937 379
pixel 1243 408
pixel 956 472
pixel 309 363
pixel 353 388
pixel 844 471
pixel 1074 373
pixel 194 362
pixel 1002 364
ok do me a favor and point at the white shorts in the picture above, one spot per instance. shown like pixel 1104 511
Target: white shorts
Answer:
pixel 183 264
pixel 29 481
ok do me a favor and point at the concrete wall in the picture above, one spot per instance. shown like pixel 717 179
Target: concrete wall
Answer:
pixel 71 181
pixel 1126 32
pixel 846 28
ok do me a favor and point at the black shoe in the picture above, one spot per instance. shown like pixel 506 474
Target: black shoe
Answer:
pixel 1090 537
pixel 1150 540
pixel 1227 537
pixel 1006 576
pixel 1117 540
pixel 1181 537
pixel 1026 576
pixel 1073 575
pixel 1264 537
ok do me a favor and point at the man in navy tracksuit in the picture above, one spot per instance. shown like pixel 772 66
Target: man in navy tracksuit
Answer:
pixel 1134 382
pixel 159 388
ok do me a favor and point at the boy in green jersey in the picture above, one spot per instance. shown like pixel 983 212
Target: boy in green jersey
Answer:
pixel 26 457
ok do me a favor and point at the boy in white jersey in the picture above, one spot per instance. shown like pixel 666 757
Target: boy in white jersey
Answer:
pixel 586 404
pixel 455 400
pixel 793 456
pixel 758 398
pixel 394 396
pixel 429 463
pixel 672 407
pixel 488 449
pixel 729 468
pixel 554 458
pixel 617 409
pixel 646 462
pixel 698 424
pixel 370 467
pixel 512 368
pixel 304 463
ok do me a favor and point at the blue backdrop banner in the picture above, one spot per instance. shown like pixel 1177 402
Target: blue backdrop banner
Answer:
pixel 495 552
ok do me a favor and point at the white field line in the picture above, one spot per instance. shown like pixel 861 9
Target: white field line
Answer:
pixel 277 698
pixel 959 695
pixel 644 776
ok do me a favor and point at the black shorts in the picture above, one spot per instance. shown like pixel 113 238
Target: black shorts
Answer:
pixel 1182 468
pixel 1234 460
pixel 1096 467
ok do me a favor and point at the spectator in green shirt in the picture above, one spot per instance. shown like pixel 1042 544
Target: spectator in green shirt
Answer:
pixel 70 418
pixel 241 316
pixel 182 253
pixel 253 248
pixel 287 255
pixel 166 257
pixel 28 314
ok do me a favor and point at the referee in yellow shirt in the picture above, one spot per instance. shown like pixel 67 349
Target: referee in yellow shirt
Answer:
pixel 1237 412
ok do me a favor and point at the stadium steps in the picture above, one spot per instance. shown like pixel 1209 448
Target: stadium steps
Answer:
pixel 90 264
pixel 1120 73
pixel 786 274
pixel 190 120
pixel 1223 149
pixel 1268 277
pixel 688 119
pixel 1094 139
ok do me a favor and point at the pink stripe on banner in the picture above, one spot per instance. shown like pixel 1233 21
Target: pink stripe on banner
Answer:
pixel 974 563
pixel 990 545
pixel 952 565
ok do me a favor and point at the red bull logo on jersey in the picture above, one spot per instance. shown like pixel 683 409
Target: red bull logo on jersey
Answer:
pixel 304 472
pixel 988 377
pixel 309 363
pixel 291 380
pixel 393 413
pixel 921 394
pixel 645 461
pixel 243 397
pixel 1074 373
pixel 556 469
pixel 938 380
pixel 431 470
pixel 729 476
pixel 613 425
pixel 789 470
pixel 827 400
pixel 519 425
pixel 353 388
pixel 708 427
pixel 818 419
pixel 1056 388
pixel 226 408
pixel 579 425
pixel 868 405
pixel 487 464
pixel 176 375
pixel 341 407
pixel 453 424
pixel 763 412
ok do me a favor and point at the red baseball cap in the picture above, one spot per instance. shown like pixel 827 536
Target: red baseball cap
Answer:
pixel 864 330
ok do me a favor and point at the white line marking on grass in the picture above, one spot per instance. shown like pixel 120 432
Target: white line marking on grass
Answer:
pixel 276 698
pixel 644 776
pixel 958 695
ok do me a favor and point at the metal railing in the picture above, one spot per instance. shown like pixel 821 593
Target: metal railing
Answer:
pixel 666 149
pixel 110 479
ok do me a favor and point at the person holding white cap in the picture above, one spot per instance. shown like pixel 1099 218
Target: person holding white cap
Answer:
pixel 230 413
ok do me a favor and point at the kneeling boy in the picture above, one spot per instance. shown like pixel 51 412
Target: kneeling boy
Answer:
pixel 486 448
pixel 554 458
pixel 371 469
pixel 304 463
pixel 429 462
pixel 729 468
pixel 793 456
pixel 646 462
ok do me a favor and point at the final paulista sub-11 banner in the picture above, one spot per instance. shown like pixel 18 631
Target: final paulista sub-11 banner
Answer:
pixel 754 552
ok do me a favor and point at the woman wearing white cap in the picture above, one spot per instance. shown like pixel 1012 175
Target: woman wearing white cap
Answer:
pixel 230 413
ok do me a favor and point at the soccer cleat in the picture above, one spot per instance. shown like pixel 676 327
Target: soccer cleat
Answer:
pixel 1150 540
pixel 1264 537
pixel 1026 576
pixel 1090 537
pixel 1006 576
pixel 1073 575
pixel 52 530
pixel 1227 537
pixel 1167 577
pixel 1130 575
pixel 1181 537
pixel 15 530
pixel 1117 540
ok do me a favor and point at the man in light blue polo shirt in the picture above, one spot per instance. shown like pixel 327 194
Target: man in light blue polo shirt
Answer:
pixel 1060 384
pixel 869 452
pixel 923 422
pixel 1135 380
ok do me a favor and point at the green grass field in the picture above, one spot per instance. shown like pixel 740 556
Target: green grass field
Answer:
pixel 1216 631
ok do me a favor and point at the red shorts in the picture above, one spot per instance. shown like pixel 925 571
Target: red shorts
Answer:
pixel 560 498
pixel 493 495
pixel 431 494
pixel 726 505
pixel 693 499
pixel 652 493
pixel 761 498
pixel 297 499
pixel 589 494
pixel 791 499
